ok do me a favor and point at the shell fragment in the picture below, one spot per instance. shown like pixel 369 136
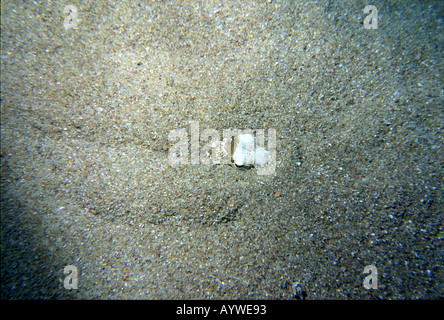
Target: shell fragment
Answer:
pixel 246 153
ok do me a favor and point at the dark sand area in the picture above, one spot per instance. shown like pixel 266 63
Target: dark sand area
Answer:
pixel 85 172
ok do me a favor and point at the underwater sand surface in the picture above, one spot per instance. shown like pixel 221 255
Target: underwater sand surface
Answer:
pixel 85 172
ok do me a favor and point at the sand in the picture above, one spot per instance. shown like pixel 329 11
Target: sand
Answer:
pixel 85 172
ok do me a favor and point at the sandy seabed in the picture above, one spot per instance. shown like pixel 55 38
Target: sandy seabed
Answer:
pixel 85 173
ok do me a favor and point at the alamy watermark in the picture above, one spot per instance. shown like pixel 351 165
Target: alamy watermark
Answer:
pixel 371 281
pixel 371 21
pixel 72 20
pixel 237 147
pixel 70 281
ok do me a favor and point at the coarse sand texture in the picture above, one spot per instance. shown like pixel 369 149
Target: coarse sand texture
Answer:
pixel 92 96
